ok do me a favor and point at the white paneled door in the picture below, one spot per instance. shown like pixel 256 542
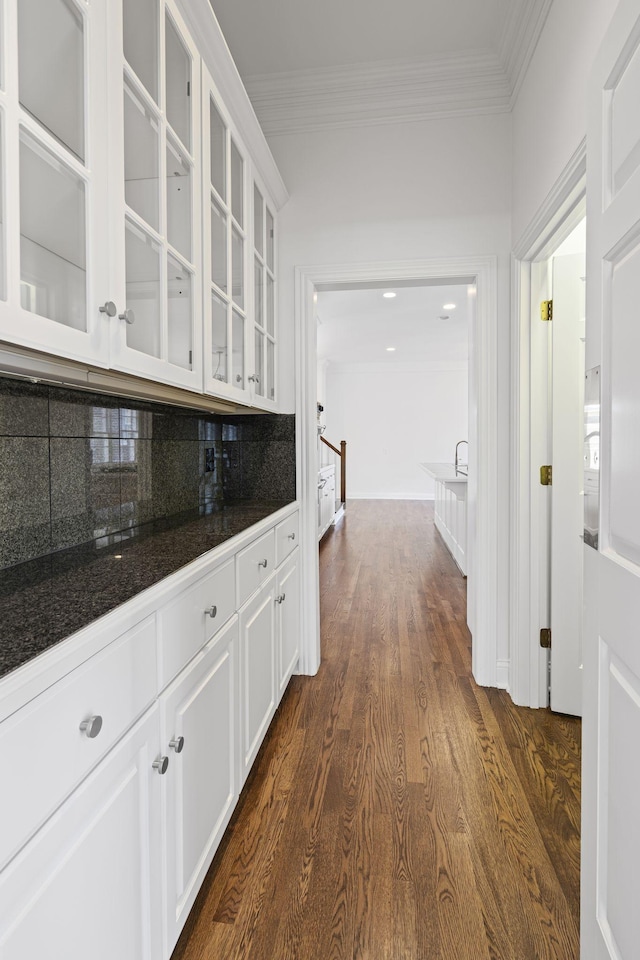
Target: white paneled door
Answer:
pixel 611 733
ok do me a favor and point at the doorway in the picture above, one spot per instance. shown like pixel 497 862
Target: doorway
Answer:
pixel 483 406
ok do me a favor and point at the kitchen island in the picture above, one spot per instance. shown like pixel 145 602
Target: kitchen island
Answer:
pixel 450 507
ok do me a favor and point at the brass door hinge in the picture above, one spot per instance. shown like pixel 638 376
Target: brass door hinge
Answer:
pixel 546 310
pixel 546 475
pixel 545 638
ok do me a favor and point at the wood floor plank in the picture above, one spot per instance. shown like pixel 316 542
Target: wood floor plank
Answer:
pixel 397 811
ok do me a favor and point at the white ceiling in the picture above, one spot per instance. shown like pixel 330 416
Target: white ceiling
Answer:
pixel 357 326
pixel 275 36
pixel 314 64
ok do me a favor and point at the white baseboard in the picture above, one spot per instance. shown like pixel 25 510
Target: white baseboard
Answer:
pixel 502 674
pixel 386 496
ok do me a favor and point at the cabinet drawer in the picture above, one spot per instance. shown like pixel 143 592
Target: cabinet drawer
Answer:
pixel 44 753
pixel 287 536
pixel 187 623
pixel 255 564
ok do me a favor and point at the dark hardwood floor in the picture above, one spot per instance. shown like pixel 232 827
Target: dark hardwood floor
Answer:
pixel 397 811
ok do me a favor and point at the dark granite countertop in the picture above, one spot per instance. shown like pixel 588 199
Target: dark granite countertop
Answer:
pixel 45 600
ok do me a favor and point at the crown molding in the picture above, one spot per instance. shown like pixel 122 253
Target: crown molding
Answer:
pixel 522 28
pixel 384 92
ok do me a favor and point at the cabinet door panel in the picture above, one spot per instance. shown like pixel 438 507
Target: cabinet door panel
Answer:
pixel 257 641
pixel 202 707
pixel 288 620
pixel 88 884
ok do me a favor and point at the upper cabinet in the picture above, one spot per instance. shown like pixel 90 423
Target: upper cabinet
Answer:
pixel 135 232
pixel 54 139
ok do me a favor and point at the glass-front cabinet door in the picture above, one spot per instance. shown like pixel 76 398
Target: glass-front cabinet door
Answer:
pixel 156 246
pixel 53 159
pixel 264 299
pixel 226 306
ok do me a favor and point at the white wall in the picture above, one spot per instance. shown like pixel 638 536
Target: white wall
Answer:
pixel 436 188
pixel 393 419
pixel 549 118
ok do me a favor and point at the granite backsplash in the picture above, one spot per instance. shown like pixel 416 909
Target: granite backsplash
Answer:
pixel 76 467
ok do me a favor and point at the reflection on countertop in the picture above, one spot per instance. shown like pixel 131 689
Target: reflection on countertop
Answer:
pixel 45 600
pixel 446 472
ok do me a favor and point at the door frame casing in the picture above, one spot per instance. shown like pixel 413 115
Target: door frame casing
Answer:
pixel 562 210
pixel 483 435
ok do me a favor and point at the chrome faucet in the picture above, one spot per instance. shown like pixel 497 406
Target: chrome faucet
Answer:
pixel 456 461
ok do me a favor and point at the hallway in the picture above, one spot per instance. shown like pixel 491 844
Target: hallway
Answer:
pixel 396 810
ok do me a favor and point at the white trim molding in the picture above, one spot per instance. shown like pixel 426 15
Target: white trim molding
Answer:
pixel 399 91
pixel 483 439
pixel 561 211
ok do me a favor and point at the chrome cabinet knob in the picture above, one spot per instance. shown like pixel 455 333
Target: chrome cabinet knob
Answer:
pixel 128 316
pixel 91 727
pixel 177 744
pixel 161 765
pixel 262 563
pixel 291 536
pixel 212 611
pixel 109 308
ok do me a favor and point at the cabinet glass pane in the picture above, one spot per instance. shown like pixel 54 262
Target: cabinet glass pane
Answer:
pixel 259 362
pixel 270 240
pixel 237 341
pixel 52 237
pixel 271 368
pixel 237 192
pixel 218 339
pixel 258 221
pixel 259 292
pixel 141 159
pixel 180 314
pixel 140 24
pixel 271 306
pixel 218 246
pixel 178 84
pixel 143 291
pixel 178 201
pixel 218 141
pixel 51 68
pixel 237 268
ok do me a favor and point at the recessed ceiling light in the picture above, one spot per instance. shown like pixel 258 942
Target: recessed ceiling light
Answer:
pixel 390 349
pixel 448 306
pixel 389 294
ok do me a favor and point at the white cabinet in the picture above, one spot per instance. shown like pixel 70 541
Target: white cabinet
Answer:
pixel 450 517
pixel 53 162
pixel 155 191
pixel 113 144
pixel 257 670
pixel 90 883
pixel 199 732
pixel 326 498
pixel 107 830
pixel 287 620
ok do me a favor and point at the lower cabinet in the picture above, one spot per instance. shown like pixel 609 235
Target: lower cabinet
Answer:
pixel 257 669
pixel 199 722
pixel 89 884
pixel 114 867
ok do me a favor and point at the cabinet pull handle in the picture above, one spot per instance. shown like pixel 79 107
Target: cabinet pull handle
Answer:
pixel 212 611
pixel 128 316
pixel 91 727
pixel 254 378
pixel 291 536
pixel 177 744
pixel 262 563
pixel 109 308
pixel 161 765
pixel 281 598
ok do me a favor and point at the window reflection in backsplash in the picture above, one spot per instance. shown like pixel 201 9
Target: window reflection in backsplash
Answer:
pixel 77 467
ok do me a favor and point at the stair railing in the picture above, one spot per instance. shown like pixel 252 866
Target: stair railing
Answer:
pixel 342 453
